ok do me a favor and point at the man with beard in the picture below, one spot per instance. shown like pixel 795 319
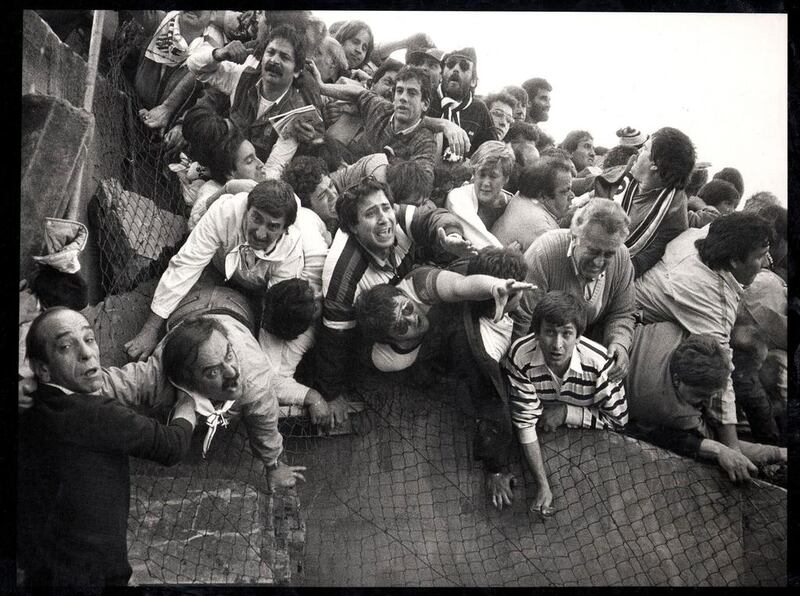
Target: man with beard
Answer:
pixel 454 99
pixel 429 59
pixel 538 100
pixel 257 91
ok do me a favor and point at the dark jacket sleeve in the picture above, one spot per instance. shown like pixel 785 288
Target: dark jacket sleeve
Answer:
pixel 334 367
pixel 682 442
pixel 104 424
pixel 485 130
pixel 675 222
pixel 425 226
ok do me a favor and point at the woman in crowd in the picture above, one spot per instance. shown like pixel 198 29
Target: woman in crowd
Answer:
pixel 481 203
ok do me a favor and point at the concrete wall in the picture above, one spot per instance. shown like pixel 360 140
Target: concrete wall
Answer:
pixel 53 70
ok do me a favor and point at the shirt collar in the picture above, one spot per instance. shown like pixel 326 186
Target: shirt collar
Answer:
pixel 380 262
pixel 260 86
pixel 732 282
pixel 408 130
pixel 575 364
pixel 61 388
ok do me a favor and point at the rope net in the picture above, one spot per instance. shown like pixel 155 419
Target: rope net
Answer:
pixel 398 501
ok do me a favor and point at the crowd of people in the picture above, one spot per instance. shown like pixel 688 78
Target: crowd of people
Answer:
pixel 404 225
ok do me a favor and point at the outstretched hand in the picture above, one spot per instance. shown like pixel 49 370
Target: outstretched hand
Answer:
pixel 455 243
pixel 499 486
pixel 543 503
pixel 502 291
pixel 285 476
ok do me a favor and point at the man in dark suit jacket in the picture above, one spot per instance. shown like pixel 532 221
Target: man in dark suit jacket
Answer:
pixel 73 475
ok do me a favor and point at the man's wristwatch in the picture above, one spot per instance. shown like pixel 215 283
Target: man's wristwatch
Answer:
pixel 273 467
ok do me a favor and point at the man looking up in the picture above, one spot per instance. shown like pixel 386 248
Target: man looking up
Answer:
pixel 538 99
pixel 559 377
pixel 654 199
pixel 75 441
pixel 455 99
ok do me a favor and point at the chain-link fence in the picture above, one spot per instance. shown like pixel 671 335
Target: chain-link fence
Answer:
pixel 399 501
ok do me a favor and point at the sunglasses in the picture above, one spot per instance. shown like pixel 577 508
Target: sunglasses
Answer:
pixel 463 63
pixel 500 114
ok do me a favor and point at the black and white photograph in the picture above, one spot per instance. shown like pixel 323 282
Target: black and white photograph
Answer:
pixel 404 298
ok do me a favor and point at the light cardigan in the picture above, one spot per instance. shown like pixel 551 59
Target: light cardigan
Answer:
pixel 300 252
pixel 549 268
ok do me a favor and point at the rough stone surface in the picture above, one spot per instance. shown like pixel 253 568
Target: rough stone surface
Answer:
pixel 55 141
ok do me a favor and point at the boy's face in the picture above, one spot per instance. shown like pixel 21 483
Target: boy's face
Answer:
pixel 557 343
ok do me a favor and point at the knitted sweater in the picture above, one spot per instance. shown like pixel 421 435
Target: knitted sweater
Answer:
pixel 549 268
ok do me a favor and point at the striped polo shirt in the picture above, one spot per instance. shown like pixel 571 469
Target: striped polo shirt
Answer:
pixel 592 400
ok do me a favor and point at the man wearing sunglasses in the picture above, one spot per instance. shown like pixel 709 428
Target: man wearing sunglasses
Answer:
pixel 501 108
pixel 454 99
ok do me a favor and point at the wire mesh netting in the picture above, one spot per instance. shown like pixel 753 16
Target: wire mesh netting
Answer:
pixel 402 503
pixel 138 212
pixel 399 501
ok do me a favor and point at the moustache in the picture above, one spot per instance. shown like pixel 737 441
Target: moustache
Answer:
pixel 232 382
pixel 274 69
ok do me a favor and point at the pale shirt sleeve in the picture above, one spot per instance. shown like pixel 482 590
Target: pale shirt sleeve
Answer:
pixel 280 155
pixel 204 193
pixel 284 356
pixel 185 268
pixel 315 247
pixel 139 383
pixel 259 403
pixel 223 76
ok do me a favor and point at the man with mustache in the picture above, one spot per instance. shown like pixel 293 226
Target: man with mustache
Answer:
pixel 454 99
pixel 250 241
pixel 258 91
pixel 538 91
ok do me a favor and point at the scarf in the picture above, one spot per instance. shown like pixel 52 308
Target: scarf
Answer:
pixel 214 416
pixel 168 46
pixel 642 235
pixel 452 108
pixel 245 259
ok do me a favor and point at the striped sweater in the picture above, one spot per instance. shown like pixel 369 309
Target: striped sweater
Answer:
pixel 592 400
